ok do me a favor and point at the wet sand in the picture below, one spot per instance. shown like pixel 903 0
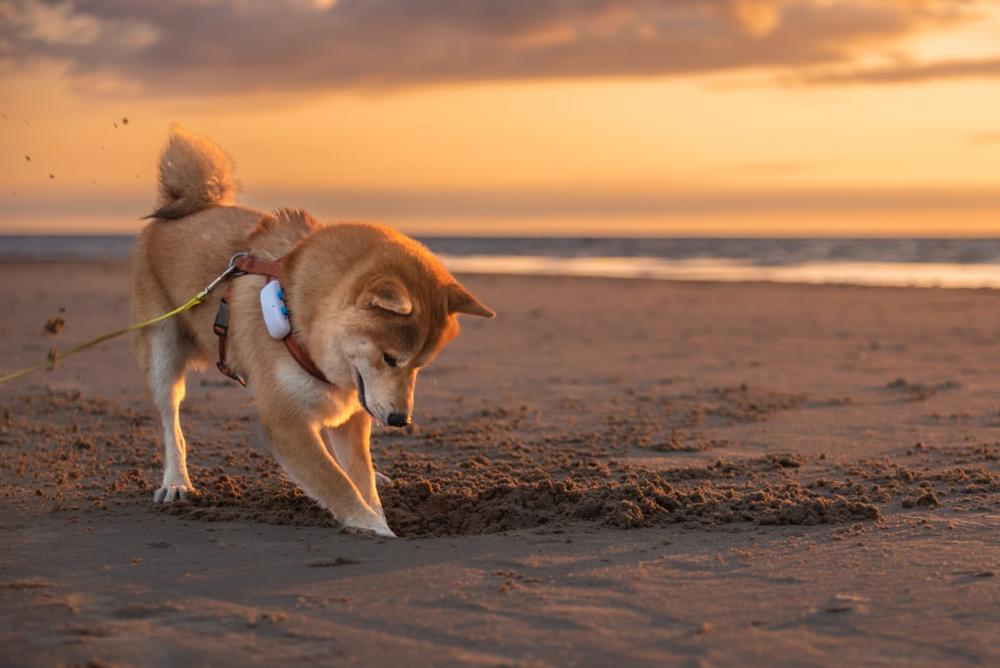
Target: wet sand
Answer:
pixel 689 473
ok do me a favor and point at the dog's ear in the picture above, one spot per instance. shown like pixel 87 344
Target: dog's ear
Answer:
pixel 387 294
pixel 461 300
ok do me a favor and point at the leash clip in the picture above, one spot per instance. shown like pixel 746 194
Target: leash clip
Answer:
pixel 231 270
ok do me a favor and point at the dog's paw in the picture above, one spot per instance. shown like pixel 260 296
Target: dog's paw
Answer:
pixel 171 493
pixel 384 531
pixel 381 480
pixel 370 525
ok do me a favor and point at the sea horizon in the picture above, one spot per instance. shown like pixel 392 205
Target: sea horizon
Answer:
pixel 872 261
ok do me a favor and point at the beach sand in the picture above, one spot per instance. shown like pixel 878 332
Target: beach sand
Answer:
pixel 611 471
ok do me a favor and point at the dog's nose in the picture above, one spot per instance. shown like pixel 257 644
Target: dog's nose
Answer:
pixel 398 420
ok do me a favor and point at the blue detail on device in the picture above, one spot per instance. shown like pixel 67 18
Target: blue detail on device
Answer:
pixel 274 310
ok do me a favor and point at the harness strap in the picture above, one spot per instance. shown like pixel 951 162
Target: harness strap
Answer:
pixel 250 264
pixel 301 356
pixel 221 329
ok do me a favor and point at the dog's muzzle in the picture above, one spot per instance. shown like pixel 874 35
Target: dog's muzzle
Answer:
pixel 394 419
pixel 398 420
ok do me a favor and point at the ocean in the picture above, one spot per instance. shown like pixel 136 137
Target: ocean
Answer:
pixel 927 262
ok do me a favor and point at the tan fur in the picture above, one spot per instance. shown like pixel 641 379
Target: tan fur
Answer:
pixel 194 175
pixel 356 292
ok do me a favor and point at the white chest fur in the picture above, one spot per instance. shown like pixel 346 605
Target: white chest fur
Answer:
pixel 328 405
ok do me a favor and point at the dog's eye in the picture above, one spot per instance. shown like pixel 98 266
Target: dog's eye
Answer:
pixel 389 359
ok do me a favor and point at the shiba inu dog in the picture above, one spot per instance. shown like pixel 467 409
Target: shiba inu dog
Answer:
pixel 368 307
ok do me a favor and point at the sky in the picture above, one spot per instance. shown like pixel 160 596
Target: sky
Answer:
pixel 481 117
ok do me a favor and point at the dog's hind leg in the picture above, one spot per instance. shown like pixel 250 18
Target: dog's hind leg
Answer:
pixel 300 449
pixel 350 445
pixel 164 354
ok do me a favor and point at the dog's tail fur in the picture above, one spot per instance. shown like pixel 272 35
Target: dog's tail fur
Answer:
pixel 195 174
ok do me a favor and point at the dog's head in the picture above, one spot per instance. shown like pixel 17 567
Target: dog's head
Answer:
pixel 382 308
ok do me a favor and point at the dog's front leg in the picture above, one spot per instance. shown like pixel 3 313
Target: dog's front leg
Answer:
pixel 301 451
pixel 350 445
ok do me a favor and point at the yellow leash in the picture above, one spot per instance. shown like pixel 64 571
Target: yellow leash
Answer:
pixel 56 356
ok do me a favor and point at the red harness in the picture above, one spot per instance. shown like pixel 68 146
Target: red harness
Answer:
pixel 248 264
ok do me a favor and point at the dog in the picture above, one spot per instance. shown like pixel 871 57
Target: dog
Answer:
pixel 368 306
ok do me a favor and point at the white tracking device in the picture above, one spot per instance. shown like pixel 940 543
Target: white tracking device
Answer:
pixel 272 305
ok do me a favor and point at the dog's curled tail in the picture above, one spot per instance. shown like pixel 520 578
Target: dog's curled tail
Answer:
pixel 195 174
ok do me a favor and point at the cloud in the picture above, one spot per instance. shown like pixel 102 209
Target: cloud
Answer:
pixel 231 46
pixel 534 204
pixel 757 17
pixel 49 26
pixel 905 73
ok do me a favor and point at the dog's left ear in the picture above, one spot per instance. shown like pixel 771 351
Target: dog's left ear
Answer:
pixel 461 300
pixel 387 294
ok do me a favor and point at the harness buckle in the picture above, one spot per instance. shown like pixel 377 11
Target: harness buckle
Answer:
pixel 221 326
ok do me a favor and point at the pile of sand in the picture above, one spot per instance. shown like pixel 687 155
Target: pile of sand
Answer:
pixel 463 474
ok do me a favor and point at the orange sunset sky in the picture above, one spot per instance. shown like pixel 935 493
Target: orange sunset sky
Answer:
pixel 694 117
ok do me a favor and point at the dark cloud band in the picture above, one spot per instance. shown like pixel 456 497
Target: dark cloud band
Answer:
pixel 229 46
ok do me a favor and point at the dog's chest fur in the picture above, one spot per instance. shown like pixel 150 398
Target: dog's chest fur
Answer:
pixel 328 405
